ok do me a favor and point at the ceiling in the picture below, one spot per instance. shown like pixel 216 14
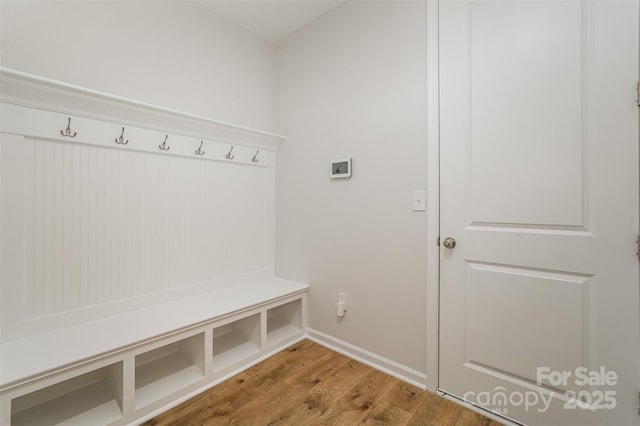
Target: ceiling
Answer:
pixel 272 20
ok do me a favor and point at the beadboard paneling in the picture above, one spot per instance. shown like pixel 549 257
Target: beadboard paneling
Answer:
pixel 92 225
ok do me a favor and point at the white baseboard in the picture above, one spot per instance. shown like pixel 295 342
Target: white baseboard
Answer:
pixel 395 369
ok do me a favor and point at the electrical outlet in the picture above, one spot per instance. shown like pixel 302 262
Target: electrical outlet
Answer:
pixel 343 298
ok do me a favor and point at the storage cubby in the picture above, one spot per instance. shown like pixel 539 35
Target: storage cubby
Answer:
pixel 122 378
pixel 235 341
pixel 91 398
pixel 284 321
pixel 169 368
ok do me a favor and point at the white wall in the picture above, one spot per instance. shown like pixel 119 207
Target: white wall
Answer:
pixel 353 83
pixel 174 54
pixel 350 84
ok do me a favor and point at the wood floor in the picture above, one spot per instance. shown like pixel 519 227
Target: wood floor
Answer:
pixel 308 384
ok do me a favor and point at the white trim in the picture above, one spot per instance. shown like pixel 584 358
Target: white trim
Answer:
pixel 50 95
pixel 433 195
pixel 42 124
pixel 392 368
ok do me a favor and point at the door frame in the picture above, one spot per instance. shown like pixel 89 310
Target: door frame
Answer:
pixel 433 196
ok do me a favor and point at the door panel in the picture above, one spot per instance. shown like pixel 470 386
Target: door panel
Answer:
pixel 539 186
pixel 534 78
pixel 524 341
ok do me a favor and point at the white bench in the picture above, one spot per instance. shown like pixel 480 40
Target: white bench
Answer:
pixel 128 367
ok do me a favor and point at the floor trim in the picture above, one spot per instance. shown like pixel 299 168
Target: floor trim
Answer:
pixel 397 370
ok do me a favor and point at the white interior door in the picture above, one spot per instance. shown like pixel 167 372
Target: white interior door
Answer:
pixel 539 188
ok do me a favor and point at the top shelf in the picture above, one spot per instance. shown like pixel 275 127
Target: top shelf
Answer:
pixel 38 92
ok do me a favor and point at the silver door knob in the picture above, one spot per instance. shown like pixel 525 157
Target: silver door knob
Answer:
pixel 449 243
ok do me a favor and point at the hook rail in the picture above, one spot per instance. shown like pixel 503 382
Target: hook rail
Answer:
pixel 164 146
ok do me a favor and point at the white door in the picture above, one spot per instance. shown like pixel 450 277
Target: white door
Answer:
pixel 539 188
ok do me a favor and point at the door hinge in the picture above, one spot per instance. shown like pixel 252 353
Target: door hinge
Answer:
pixel 638 251
pixel 638 94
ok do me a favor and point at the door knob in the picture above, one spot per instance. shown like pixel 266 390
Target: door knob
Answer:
pixel 449 243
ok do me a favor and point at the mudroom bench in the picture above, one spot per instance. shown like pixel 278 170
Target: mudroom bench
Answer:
pixel 126 368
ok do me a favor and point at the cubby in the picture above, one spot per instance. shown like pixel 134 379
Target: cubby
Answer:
pixel 284 321
pixel 163 371
pixel 91 398
pixel 235 341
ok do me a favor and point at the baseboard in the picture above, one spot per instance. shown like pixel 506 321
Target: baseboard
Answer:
pixel 395 369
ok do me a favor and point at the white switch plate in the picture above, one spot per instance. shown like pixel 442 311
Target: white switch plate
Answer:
pixel 419 201
pixel 343 298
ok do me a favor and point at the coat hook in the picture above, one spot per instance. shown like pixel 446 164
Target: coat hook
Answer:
pixel 229 156
pixel 163 146
pixel 120 140
pixel 199 151
pixel 255 158
pixel 67 131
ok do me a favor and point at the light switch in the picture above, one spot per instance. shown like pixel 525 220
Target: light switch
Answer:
pixel 419 201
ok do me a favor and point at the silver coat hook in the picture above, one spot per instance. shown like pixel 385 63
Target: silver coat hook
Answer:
pixel 255 158
pixel 229 156
pixel 67 131
pixel 163 146
pixel 120 140
pixel 199 151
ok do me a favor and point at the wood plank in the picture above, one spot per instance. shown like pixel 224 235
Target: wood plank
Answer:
pixel 307 409
pixel 470 418
pixel 436 411
pixel 385 413
pixel 357 403
pixel 346 377
pixel 406 397
pixel 290 388
pixel 308 384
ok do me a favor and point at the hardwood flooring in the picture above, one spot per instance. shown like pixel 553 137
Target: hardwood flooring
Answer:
pixel 308 384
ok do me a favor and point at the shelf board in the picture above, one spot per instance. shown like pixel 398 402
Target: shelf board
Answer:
pixel 231 349
pixel 280 334
pixel 164 376
pixel 93 404
pixel 42 93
